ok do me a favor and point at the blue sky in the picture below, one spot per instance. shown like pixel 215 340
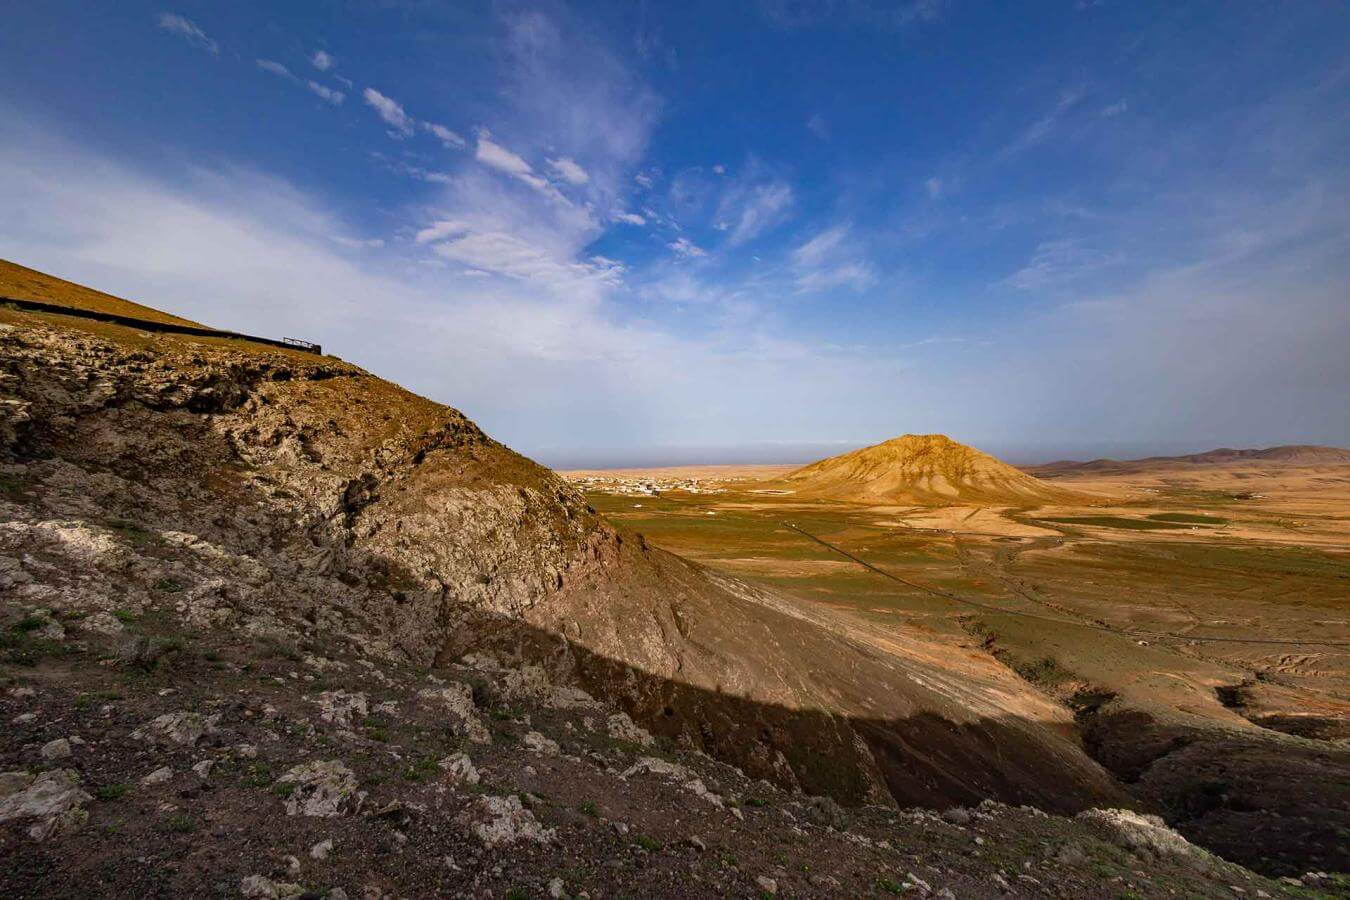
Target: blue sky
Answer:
pixel 641 232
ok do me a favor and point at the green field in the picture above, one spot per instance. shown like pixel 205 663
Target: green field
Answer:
pixel 1152 523
pixel 1189 518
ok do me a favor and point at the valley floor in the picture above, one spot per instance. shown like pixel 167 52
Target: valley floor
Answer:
pixel 1195 619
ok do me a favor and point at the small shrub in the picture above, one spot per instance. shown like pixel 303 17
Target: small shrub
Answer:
pixel 420 770
pixel 131 532
pixel 180 823
pixel 890 886
pixel 112 791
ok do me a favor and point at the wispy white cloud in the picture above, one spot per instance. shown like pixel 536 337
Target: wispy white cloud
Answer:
pixel 933 186
pixel 629 218
pixel 1041 129
pixel 495 156
pixel 390 110
pixel 439 230
pixel 276 68
pixel 322 60
pixel 816 125
pixel 188 31
pixel 820 248
pixel 1057 263
pixel 752 206
pixel 450 139
pixel 1115 109
pixel 514 256
pixel 492 154
pixel 359 243
pixel 568 170
pixel 327 94
pixel 686 248
pixel 830 260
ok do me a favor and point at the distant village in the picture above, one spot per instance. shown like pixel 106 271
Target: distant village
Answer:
pixel 643 486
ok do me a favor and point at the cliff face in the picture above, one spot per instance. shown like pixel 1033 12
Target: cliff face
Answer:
pixel 293 497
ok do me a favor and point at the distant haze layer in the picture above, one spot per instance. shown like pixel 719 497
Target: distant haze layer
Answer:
pixel 800 453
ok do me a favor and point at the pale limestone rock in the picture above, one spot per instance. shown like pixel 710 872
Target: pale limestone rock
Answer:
pixel 177 728
pixel 623 728
pixel 323 789
pixel 260 887
pixel 53 798
pixel 340 707
pixel 1144 835
pixel 57 749
pixel 457 699
pixel 498 821
pixel 103 623
pixel 460 769
pixel 538 743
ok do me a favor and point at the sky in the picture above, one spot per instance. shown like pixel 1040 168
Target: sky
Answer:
pixel 643 233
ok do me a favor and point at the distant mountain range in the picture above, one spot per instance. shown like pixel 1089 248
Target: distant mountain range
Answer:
pixel 1287 454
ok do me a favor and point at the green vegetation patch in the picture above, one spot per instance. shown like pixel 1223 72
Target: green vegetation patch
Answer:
pixel 1189 518
pixel 1115 522
pixel 1268 561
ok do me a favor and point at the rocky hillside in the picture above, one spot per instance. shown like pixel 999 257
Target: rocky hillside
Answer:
pixel 151 760
pixel 929 469
pixel 292 495
pixel 261 607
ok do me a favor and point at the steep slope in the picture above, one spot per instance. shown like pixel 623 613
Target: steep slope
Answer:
pixel 290 497
pixel 923 469
pixel 23 283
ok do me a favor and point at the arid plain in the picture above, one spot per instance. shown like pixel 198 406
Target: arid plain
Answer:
pixel 1194 615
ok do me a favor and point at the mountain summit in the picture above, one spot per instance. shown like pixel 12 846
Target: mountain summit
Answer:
pixel 921 468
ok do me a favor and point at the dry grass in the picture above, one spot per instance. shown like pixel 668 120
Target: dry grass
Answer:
pixel 24 283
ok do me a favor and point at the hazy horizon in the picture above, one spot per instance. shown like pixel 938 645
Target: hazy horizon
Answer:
pixel 622 232
pixel 794 453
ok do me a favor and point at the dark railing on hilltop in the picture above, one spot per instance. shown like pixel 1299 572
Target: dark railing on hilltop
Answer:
pixel 152 325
